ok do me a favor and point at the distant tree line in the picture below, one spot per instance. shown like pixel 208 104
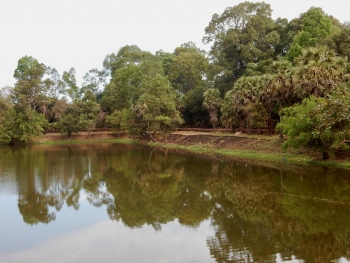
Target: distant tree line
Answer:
pixel 292 76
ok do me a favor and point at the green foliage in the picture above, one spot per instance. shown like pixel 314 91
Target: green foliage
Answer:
pixel 29 124
pixel 30 89
pixel 318 71
pixel 342 41
pixel 322 123
pixel 7 121
pixel 316 26
pixel 298 123
pixel 70 81
pixel 188 69
pixel 250 54
pixel 211 99
pixel 56 86
pixel 115 120
pixel 131 68
pixel 23 117
pixel 88 109
pixel 333 125
pixel 127 55
pixel 167 60
pixel 69 122
pixel 92 81
pixel 256 115
pixel 21 125
pixel 26 64
pixel 243 34
pixel 193 111
pixel 157 106
pixel 212 103
pixel 232 109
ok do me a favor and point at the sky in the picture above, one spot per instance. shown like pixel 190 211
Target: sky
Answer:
pixel 79 33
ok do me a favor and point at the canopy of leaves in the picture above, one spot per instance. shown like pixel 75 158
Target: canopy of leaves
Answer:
pixel 243 34
pixel 316 26
pixel 319 122
pixel 157 106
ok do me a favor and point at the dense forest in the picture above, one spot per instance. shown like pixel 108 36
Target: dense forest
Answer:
pixel 289 76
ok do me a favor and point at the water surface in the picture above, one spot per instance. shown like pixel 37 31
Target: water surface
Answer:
pixel 129 203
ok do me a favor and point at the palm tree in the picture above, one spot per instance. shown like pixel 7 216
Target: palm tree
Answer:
pixel 212 103
pixel 319 70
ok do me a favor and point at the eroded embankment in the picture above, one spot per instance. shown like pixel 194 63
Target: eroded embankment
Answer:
pixel 225 142
pixel 258 149
pixel 254 149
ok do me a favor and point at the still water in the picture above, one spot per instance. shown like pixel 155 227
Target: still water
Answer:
pixel 130 203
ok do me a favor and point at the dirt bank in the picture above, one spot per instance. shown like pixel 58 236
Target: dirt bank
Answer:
pixel 80 136
pixel 268 144
pixel 259 144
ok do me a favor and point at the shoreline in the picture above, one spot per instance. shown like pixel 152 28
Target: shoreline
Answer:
pixel 251 148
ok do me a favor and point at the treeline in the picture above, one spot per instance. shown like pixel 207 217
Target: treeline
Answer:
pixel 259 72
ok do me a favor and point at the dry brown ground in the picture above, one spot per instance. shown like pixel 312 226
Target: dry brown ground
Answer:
pixel 212 139
pixel 261 143
pixel 227 141
pixel 56 136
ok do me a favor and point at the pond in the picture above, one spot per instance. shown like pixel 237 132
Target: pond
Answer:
pixel 132 203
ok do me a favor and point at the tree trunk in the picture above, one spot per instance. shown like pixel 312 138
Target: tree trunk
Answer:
pixel 213 114
pixel 281 134
pixel 150 135
pixel 325 155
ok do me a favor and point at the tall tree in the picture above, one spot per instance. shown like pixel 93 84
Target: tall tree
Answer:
pixel 88 109
pixel 130 68
pixel 212 102
pixel 157 107
pixel 93 81
pixel 322 123
pixel 29 98
pixel 69 120
pixel 70 81
pixel 319 70
pixel 188 75
pixel 342 40
pixel 189 68
pixel 243 34
pixel 316 26
pixel 30 89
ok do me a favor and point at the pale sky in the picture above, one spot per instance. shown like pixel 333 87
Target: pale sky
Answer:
pixel 80 33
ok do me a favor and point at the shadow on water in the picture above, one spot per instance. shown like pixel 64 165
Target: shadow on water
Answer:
pixel 257 212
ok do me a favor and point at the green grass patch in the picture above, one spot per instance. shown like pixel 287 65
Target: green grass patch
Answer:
pixel 260 157
pixel 254 136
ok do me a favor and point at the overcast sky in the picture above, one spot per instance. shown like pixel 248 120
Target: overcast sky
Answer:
pixel 80 33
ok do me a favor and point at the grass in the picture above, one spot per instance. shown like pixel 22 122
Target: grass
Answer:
pixel 260 157
pixel 254 136
pixel 267 151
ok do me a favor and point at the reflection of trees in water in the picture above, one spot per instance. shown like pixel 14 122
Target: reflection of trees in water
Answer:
pixel 34 208
pixel 45 178
pixel 155 192
pixel 256 212
pixel 256 219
